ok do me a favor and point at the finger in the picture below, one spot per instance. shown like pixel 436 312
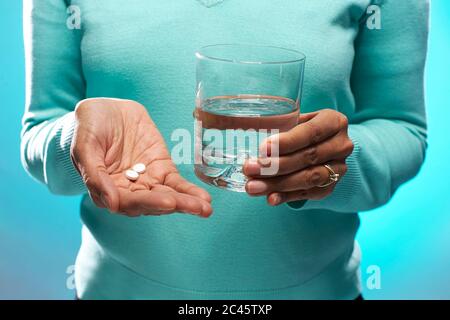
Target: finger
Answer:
pixel 178 183
pixel 278 198
pixel 162 200
pixel 146 202
pixel 192 205
pixel 300 180
pixel 323 125
pixel 339 147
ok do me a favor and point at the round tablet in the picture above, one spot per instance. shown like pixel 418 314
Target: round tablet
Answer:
pixel 132 175
pixel 139 168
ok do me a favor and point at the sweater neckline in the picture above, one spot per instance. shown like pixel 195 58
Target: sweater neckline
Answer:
pixel 210 3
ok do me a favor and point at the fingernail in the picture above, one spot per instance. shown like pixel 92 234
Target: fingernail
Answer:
pixel 252 167
pixel 256 186
pixel 275 199
pixel 264 161
pixel 206 211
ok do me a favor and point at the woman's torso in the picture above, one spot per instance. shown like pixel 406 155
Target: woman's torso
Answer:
pixel 144 50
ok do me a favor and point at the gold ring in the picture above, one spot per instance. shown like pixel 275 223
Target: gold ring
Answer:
pixel 332 178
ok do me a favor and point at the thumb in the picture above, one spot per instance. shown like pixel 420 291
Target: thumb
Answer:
pixel 102 184
pixel 101 187
pixel 305 117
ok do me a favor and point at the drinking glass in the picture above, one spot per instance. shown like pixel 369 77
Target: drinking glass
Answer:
pixel 245 93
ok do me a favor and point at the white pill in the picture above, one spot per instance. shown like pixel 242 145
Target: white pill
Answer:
pixel 132 175
pixel 139 168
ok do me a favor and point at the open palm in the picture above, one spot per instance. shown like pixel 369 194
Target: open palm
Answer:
pixel 113 135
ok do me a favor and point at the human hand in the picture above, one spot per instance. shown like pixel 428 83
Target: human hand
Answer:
pixel 320 139
pixel 111 136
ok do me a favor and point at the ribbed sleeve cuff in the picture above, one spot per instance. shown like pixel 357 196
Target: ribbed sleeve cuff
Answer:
pixel 62 176
pixel 345 190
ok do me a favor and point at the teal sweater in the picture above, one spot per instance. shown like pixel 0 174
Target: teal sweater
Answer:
pixel 144 50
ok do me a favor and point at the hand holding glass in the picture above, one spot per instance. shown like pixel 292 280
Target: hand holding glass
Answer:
pixel 245 93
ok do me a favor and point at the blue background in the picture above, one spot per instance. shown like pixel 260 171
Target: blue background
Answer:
pixel 409 239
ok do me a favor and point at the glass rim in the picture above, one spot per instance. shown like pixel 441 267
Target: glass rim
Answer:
pixel 201 55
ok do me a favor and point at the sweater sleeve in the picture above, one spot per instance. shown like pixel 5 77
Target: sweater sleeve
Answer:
pixel 388 126
pixel 54 85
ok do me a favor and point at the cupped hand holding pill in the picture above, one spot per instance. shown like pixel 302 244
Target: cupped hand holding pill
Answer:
pixel 125 164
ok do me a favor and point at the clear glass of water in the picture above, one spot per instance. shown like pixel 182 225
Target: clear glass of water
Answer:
pixel 245 93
